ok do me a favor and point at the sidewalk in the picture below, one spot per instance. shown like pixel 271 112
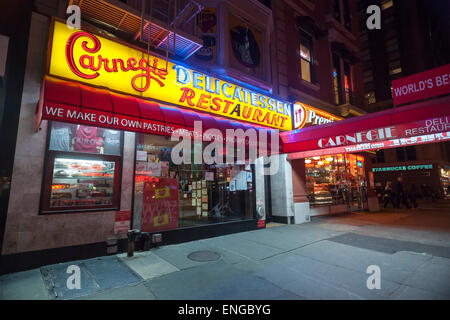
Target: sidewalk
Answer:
pixel 324 259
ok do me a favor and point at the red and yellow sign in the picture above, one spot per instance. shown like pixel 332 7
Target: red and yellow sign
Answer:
pixel 88 58
pixel 160 205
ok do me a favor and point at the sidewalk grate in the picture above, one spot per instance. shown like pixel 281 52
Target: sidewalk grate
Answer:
pixel 98 274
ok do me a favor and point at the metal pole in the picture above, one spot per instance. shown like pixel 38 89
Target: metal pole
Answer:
pixel 174 26
pixel 142 20
pixel 168 35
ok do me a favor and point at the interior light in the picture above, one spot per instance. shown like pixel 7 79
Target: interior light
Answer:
pixel 329 159
pixel 307 160
pixel 316 158
pixel 320 163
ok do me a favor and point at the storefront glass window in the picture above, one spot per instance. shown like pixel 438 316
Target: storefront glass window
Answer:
pixel 337 179
pixel 445 181
pixel 169 196
pixel 85 139
pixel 306 59
pixel 82 168
pixel 81 183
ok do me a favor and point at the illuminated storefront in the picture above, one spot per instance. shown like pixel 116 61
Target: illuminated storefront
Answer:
pixel 445 180
pixel 335 179
pixel 101 123
pixel 432 178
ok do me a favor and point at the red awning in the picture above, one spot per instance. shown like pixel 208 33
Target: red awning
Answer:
pixel 408 125
pixel 81 104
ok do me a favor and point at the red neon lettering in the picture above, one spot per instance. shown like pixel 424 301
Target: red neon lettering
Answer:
pixel 203 99
pixel 149 69
pixel 69 52
pixel 257 115
pixel 227 106
pixel 188 95
pixel 247 112
pixel 216 104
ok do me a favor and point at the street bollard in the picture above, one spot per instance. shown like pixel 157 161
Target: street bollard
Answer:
pixel 132 234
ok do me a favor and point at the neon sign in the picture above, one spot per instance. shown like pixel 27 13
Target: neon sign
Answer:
pixel 88 58
pixel 404 168
pixel 306 116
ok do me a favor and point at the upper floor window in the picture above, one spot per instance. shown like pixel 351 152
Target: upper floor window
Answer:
pixel 342 80
pixel 406 153
pixel 370 97
pixel 306 58
pixel 380 158
pixel 395 67
pixel 411 153
pixel 386 4
pixel 336 79
pixel 346 15
pixel 348 83
pixel 341 10
pixel 337 10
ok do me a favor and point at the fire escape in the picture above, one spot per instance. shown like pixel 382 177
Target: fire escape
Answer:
pixel 161 26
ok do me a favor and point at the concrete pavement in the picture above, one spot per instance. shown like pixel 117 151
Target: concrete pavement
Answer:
pixel 324 259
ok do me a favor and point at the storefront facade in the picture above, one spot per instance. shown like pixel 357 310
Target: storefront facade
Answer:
pixel 430 177
pixel 352 141
pixel 94 152
pixel 321 184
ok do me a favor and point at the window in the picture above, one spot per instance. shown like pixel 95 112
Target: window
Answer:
pixel 306 57
pixel 82 168
pixel 406 153
pixel 400 154
pixel 370 97
pixel 337 79
pixel 334 179
pixel 395 71
pixel 341 12
pixel 347 21
pixel 348 83
pixel 411 153
pixel 386 4
pixel 342 83
pixel 395 67
pixel 337 9
pixel 170 196
pixel 380 156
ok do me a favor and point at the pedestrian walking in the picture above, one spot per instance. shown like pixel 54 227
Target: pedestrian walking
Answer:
pixel 388 194
pixel 400 196
pixel 413 194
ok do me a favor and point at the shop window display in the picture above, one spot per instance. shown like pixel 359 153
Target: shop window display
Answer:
pixel 169 196
pixel 85 139
pixel 444 174
pixel 337 179
pixel 82 168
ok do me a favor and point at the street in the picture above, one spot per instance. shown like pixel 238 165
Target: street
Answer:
pixel 324 259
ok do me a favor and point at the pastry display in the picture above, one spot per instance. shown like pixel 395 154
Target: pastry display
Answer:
pixel 82 183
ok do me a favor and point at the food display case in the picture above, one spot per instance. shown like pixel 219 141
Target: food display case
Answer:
pixel 333 179
pixel 76 183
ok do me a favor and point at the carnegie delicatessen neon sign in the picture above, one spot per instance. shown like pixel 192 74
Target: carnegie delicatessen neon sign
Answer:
pixel 88 58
